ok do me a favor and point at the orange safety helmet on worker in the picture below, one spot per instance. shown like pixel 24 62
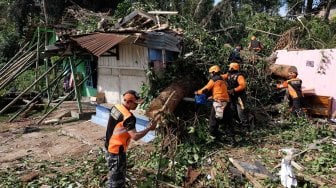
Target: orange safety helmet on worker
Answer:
pixel 236 80
pixel 237 92
pixel 216 85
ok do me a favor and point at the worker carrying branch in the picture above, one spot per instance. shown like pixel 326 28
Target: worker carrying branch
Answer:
pixel 293 86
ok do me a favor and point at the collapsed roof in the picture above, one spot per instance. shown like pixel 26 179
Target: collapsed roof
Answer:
pixel 138 27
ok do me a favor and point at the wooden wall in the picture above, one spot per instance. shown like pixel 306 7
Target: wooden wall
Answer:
pixel 129 72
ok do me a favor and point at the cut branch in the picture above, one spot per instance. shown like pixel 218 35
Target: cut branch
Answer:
pixel 263 31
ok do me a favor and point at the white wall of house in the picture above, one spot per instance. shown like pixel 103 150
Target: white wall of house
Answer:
pixel 316 68
pixel 129 72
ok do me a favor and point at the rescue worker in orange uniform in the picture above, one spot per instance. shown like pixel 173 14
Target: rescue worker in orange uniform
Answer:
pixel 219 111
pixel 293 85
pixel 255 45
pixel 237 92
pixel 120 130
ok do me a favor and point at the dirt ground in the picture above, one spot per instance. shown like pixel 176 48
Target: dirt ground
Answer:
pixel 47 142
pixel 24 139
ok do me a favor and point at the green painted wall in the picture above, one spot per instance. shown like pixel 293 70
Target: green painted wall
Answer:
pixel 86 91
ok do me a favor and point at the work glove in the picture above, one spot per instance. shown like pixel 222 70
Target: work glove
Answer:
pixel 231 91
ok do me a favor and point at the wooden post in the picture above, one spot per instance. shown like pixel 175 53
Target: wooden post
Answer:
pixel 14 57
pixel 55 81
pixel 77 93
pixel 59 103
pixel 37 55
pixel 14 100
pixel 47 80
pixel 45 12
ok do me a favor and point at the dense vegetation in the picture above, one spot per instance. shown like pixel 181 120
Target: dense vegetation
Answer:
pixel 209 34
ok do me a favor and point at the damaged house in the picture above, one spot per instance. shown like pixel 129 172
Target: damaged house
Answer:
pixel 123 54
pixel 104 63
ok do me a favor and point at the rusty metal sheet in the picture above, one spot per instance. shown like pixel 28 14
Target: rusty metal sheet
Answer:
pixel 99 43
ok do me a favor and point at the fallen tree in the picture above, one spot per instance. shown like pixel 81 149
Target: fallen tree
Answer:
pixel 181 89
pixel 281 70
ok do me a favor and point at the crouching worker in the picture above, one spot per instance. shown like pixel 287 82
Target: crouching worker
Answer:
pixel 293 86
pixel 219 111
pixel 237 92
pixel 120 130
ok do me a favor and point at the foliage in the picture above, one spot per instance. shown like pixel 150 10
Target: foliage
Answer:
pixel 202 47
pixel 318 34
pixel 86 171
pixel 54 11
pixel 8 46
pixel 263 22
pixel 8 37
pixel 23 13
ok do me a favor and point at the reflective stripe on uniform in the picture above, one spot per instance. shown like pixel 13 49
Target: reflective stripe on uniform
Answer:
pixel 120 136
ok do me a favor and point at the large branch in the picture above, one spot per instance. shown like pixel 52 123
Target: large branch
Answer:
pixel 170 97
pixel 224 29
pixel 263 31
pixel 281 70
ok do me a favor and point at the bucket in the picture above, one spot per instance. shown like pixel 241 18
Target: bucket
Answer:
pixel 200 99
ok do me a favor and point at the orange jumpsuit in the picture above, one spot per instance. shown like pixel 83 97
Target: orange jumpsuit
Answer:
pixel 295 93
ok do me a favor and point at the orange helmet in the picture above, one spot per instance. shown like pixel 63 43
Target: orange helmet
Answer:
pixel 234 66
pixel 214 68
pixel 253 37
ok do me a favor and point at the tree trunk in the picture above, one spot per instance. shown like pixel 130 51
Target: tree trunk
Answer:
pixel 182 88
pixel 327 10
pixel 281 70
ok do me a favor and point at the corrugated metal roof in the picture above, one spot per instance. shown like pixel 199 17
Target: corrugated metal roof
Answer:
pixel 159 40
pixel 99 43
